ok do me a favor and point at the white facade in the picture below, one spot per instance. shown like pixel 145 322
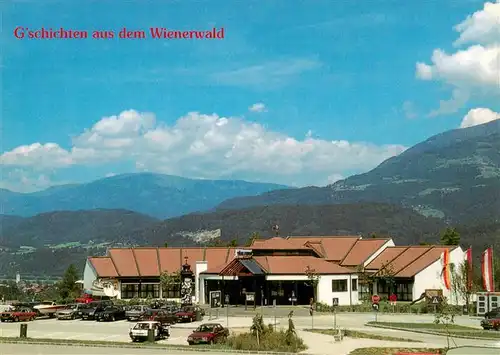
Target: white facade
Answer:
pixel 89 275
pixel 431 278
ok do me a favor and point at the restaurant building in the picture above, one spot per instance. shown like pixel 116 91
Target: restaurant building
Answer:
pixel 291 270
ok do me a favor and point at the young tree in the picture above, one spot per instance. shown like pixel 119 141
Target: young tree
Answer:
pixel 365 281
pixel 68 288
pixel 450 236
pixel 165 245
pixel 233 243
pixel 313 280
pixel 169 281
pixel 386 275
pixel 460 283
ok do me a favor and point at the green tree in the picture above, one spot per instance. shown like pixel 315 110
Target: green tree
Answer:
pixel 450 236
pixel 386 275
pixel 233 243
pixel 170 281
pixel 68 288
pixel 165 245
pixel 313 280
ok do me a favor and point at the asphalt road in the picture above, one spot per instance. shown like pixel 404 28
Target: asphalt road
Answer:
pixel 27 349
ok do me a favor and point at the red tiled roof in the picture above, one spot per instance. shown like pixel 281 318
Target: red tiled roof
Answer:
pixel 362 250
pixel 124 261
pixel 407 261
pixel 147 261
pixel 103 266
pixel 387 255
pixel 298 264
pixel 150 262
pixel 407 257
pixel 169 259
pixel 427 259
pixel 275 243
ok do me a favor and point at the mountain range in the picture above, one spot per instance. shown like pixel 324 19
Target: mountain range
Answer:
pixel 454 176
pixel 451 179
pixel 157 195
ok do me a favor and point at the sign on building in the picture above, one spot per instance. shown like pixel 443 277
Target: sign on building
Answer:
pixel 242 253
pixel 215 299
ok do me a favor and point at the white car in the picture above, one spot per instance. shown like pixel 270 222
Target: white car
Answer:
pixel 139 332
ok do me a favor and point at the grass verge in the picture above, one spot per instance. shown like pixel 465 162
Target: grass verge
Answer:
pixel 363 335
pixel 441 329
pixel 393 351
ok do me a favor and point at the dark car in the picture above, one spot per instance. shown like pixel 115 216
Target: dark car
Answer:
pixel 209 333
pixel 133 313
pixel 159 315
pixel 89 312
pixel 188 313
pixel 110 314
pixel 494 313
pixel 491 323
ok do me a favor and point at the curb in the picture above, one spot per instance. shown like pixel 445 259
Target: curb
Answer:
pixel 431 333
pixel 138 346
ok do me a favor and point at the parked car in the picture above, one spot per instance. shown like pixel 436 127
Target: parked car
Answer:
pixel 208 333
pixel 17 314
pixel 72 311
pixel 91 309
pixel 491 323
pixel 110 314
pixel 494 313
pixel 159 315
pixel 139 332
pixel 133 313
pixel 188 313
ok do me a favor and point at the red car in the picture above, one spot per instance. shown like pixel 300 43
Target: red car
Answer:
pixel 209 333
pixel 186 314
pixel 491 323
pixel 18 314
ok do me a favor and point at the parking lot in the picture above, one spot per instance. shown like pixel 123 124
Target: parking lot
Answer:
pixel 89 330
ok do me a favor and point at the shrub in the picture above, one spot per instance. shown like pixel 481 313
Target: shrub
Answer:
pixel 269 341
pixel 264 338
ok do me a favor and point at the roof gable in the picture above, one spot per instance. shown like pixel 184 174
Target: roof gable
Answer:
pixel 362 250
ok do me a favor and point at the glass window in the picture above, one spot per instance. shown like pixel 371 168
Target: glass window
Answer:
pixel 172 291
pixel 354 284
pixel 150 291
pixel 130 291
pixel 339 285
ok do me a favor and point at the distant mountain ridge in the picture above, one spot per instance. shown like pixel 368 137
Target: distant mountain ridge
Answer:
pixel 157 195
pixel 454 175
pixel 54 228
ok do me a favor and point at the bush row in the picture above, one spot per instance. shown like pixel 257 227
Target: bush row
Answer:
pixel 386 307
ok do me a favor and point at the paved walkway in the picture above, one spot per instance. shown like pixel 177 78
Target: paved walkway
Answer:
pixel 473 351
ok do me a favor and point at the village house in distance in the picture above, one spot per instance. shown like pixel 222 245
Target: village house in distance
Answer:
pixel 279 269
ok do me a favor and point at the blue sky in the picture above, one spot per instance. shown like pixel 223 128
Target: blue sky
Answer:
pixel 319 71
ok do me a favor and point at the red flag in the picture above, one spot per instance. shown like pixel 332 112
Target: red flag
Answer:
pixel 445 261
pixel 487 270
pixel 468 263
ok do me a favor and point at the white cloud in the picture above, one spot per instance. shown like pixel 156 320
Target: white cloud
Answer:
pixel 479 116
pixel 409 109
pixel 257 107
pixel 482 27
pixel 267 75
pixel 471 71
pixel 206 146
